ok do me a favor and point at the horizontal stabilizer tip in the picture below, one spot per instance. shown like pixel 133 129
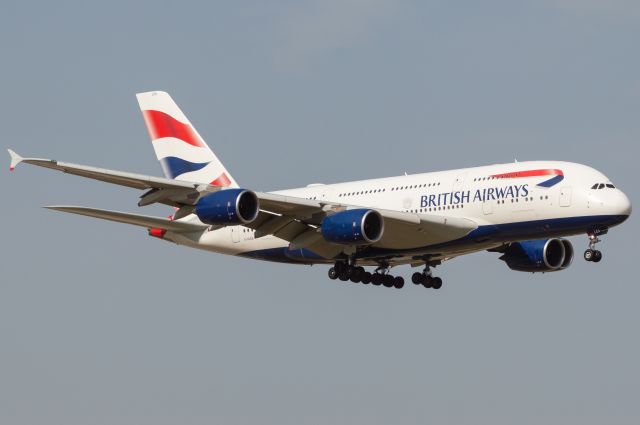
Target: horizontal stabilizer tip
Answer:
pixel 15 159
pixel 130 218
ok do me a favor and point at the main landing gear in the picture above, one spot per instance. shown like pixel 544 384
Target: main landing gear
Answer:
pixel 426 279
pixel 381 277
pixel 592 254
pixel 357 274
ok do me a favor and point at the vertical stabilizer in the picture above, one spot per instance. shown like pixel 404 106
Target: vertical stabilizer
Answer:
pixel 183 154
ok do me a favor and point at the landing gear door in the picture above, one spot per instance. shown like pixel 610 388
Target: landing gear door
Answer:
pixel 565 196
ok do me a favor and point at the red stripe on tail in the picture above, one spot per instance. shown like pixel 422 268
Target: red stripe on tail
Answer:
pixel 162 125
pixel 222 181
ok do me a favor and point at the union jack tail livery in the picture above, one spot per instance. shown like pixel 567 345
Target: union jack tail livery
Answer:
pixel 183 154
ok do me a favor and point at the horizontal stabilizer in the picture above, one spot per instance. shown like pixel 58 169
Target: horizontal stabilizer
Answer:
pixel 15 159
pixel 135 219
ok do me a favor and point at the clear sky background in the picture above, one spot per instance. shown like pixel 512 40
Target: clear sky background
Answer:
pixel 100 324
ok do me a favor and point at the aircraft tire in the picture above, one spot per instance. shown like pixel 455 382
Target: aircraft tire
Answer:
pixel 427 281
pixel 436 283
pixel 366 278
pixel 398 282
pixel 589 254
pixel 333 273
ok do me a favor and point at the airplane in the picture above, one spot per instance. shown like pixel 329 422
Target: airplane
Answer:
pixel 521 210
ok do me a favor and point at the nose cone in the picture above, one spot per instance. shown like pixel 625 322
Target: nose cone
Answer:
pixel 624 204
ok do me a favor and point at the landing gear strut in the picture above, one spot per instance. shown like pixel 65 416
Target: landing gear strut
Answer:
pixel 426 279
pixel 592 254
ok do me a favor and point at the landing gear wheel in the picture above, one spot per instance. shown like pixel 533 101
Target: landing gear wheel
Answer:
pixel 333 273
pixel 589 254
pixel 366 278
pixel 387 280
pixel 592 254
pixel 398 282
pixel 436 283
pixel 344 275
pixel 355 274
pixel 376 279
pixel 417 278
pixel 427 281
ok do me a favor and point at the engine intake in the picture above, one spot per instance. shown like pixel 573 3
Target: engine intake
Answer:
pixel 229 206
pixel 544 255
pixel 353 227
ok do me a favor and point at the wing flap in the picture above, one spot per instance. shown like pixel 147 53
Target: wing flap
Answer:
pixel 134 219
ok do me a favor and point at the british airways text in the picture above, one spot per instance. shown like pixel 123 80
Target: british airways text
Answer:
pixel 480 195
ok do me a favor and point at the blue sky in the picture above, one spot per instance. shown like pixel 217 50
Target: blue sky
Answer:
pixel 101 324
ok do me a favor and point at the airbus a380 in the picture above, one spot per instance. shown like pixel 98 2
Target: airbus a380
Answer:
pixel 522 210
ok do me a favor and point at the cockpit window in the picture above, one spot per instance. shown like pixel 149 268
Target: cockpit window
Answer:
pixel 602 186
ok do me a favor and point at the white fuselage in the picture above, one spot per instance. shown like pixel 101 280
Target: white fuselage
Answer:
pixel 515 205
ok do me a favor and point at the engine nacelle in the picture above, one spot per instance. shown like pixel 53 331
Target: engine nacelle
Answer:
pixel 544 255
pixel 353 227
pixel 229 206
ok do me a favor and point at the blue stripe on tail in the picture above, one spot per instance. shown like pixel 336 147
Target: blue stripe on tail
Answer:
pixel 174 167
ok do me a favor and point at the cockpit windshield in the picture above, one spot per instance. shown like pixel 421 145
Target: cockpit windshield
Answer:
pixel 602 186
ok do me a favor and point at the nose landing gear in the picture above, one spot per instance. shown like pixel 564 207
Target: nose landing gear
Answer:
pixel 592 254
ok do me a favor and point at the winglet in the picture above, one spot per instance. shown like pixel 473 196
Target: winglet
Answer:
pixel 15 160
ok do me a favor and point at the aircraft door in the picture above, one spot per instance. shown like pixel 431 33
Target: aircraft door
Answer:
pixel 326 194
pixel 487 207
pixel 458 184
pixel 565 196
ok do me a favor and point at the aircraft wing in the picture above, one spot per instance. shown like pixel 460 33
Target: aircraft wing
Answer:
pixel 293 219
pixel 167 191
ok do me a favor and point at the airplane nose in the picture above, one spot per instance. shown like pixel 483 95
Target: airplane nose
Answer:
pixel 624 204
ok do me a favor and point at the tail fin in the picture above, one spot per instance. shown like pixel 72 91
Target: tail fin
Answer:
pixel 183 154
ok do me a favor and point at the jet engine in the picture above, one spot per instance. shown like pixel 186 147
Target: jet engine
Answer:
pixel 353 227
pixel 544 255
pixel 228 207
